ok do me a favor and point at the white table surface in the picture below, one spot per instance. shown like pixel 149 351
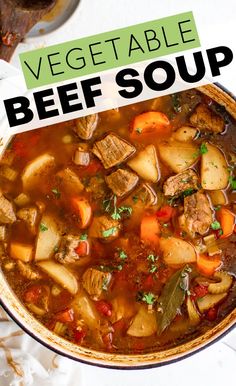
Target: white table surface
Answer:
pixel 216 26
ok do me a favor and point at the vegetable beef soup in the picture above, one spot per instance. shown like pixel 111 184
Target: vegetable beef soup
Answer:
pixel 118 229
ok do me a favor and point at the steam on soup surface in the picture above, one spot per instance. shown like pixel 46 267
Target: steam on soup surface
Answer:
pixel 118 229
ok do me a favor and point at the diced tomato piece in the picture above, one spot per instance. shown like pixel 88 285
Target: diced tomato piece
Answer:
pixel 94 167
pixel 165 213
pixel 211 314
pixel 79 335
pixel 65 316
pixel 107 340
pixel 148 283
pixel 119 326
pixel 83 248
pixel 199 291
pixel 32 294
pixel 104 308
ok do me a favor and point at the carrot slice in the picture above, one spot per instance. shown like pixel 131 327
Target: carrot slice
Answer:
pixel 208 265
pixel 149 123
pixel 150 230
pixel 81 207
pixel 227 222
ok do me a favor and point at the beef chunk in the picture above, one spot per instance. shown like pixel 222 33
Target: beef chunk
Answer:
pixel 85 126
pixel 122 181
pixel 206 119
pixel 177 184
pixel 66 253
pixel 7 214
pixel 95 282
pixel 29 215
pixel 27 271
pixel 197 214
pixel 105 228
pixel 112 150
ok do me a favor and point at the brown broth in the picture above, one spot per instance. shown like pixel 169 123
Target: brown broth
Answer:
pixel 130 275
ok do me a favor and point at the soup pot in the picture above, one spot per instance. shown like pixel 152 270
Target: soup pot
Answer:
pixel 30 325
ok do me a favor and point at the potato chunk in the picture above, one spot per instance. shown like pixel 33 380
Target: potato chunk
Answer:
pixel 177 251
pixel 145 164
pixel 36 170
pixel 60 274
pixel 143 324
pixel 214 169
pixel 178 155
pixel 48 238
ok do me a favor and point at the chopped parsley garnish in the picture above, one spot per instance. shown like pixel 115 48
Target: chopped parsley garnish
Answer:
pixel 110 206
pixel 215 225
pixel 217 207
pixel 109 232
pixel 84 236
pixel 138 130
pixel 203 149
pixel 153 269
pixel 119 267
pixel 56 192
pixel 151 258
pixel 187 192
pixel 135 199
pixel 122 254
pixel 43 227
pixel 127 209
pixel 148 298
pixel 232 181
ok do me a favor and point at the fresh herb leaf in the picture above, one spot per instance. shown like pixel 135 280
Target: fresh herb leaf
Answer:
pixel 203 149
pixel 109 232
pixel 84 236
pixel 148 298
pixel 122 254
pixel 153 268
pixel 217 207
pixel 151 258
pixel 56 192
pixel 128 209
pixel 215 225
pixel 171 299
pixel 232 181
pixel 43 227
pixel 187 192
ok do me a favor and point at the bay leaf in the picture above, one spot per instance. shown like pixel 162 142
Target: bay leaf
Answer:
pixel 171 299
